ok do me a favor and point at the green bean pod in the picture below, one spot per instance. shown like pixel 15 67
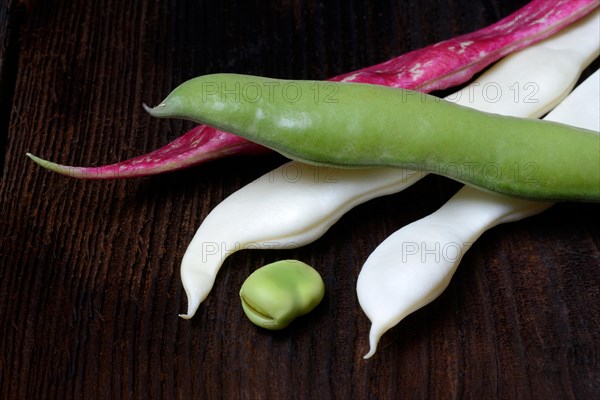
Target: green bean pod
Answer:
pixel 359 125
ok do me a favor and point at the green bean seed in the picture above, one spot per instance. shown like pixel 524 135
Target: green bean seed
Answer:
pixel 274 295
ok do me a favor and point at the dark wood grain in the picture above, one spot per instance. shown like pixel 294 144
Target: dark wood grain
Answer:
pixel 89 271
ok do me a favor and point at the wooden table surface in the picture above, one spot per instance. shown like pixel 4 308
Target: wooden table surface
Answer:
pixel 89 270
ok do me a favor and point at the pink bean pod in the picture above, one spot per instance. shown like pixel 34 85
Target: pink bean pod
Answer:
pixel 435 67
pixel 202 143
pixel 455 61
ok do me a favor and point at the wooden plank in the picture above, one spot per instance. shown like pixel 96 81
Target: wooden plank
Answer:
pixel 11 16
pixel 89 280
